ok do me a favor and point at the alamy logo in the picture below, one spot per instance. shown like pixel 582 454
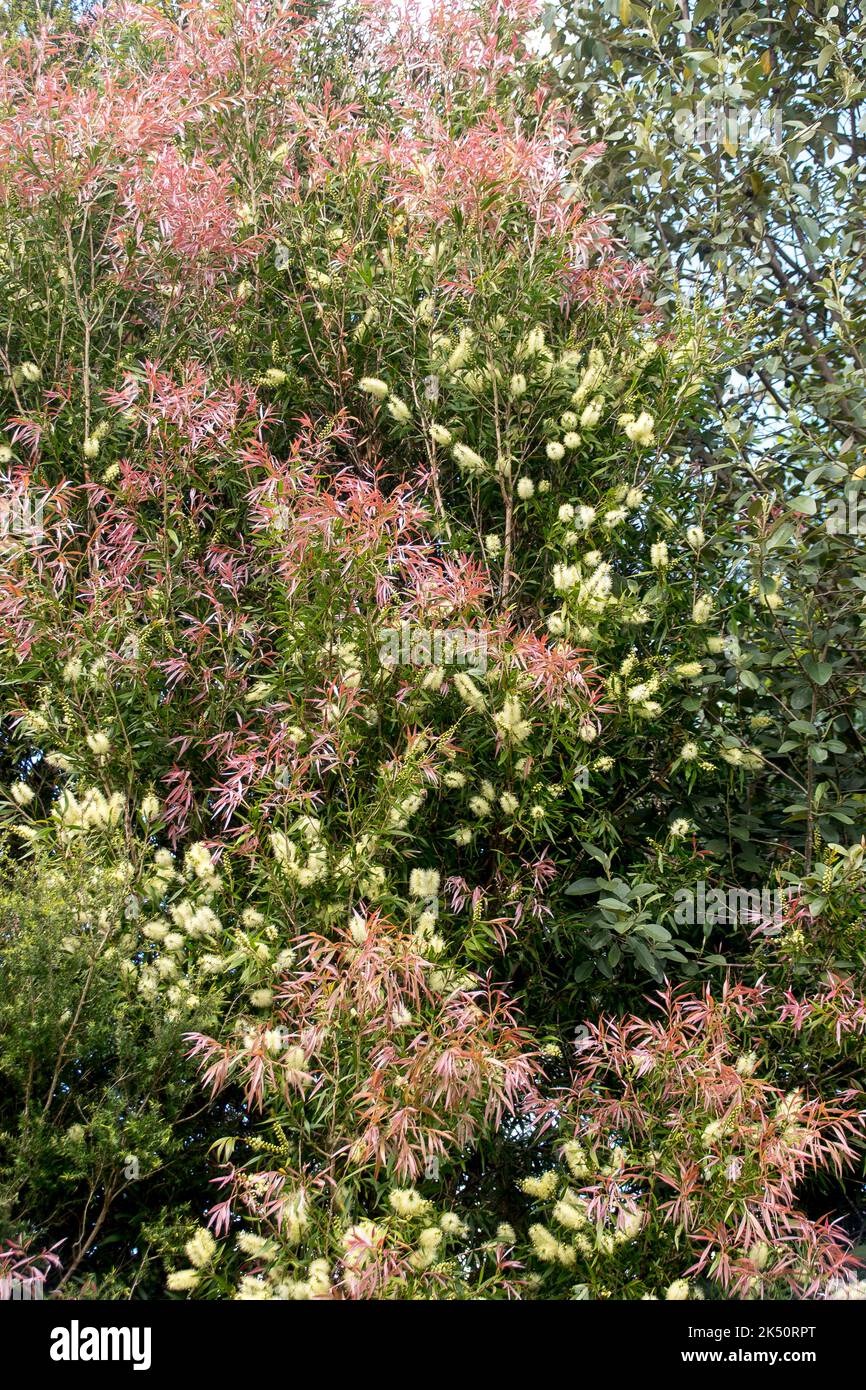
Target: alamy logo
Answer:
pixel 21 514
pixel 76 1343
pixel 847 517
pixel 409 645
pixel 731 905
pixel 13 1287
pixel 727 127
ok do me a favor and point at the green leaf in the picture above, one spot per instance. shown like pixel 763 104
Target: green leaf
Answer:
pixel 805 505
pixel 819 671
pixel 825 57
pixel 582 885
pixel 645 958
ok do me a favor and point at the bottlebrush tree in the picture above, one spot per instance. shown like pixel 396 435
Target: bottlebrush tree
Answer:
pixel 355 601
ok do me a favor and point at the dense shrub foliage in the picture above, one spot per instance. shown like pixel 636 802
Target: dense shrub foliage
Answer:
pixel 389 684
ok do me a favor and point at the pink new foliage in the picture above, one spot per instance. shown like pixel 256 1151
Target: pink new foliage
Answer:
pixel 23 1271
pixel 837 1006
pixel 709 1147
pixel 429 1072
pixel 134 120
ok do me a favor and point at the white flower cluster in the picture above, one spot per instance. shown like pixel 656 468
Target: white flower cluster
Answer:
pixel 510 722
pixel 303 860
pixel 94 811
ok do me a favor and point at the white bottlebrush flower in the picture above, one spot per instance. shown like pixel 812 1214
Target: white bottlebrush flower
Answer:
pixel 586 516
pixel 689 752
pixel 493 545
pixel 591 376
pixel 254 1245
pixel 424 883
pixel 732 756
pixel 91 446
pixel 201 1249
pixel 566 513
pixel 680 827
pixel 99 743
pixel 525 489
pixel 468 691
pixel 399 410
pixel 451 1224
pixel 591 414
pixel 198 861
pixel 637 694
pixel 565 577
pixel 357 929
pixel 702 608
pixel 640 430
pixel 659 558
pixel 440 435
pixel 555 451
pixel 599 583
pixel 678 1291
pixel 408 1203
pixel 510 722
pixel 542 1186
pixel 373 386
pixel 649 709
pixel 548 1248
pixel 533 343
pixel 570 439
pixel 467 459
pixel 695 537
pixel 509 803
pixel 182 1280
pixel 517 386
pixel 253 1290
pixel 155 931
pixel 21 794
pixel 459 355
